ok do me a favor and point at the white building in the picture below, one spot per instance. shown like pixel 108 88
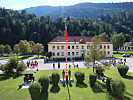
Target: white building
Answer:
pixel 128 46
pixel 77 46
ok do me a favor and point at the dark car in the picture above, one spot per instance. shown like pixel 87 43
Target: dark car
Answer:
pixel 42 57
pixel 126 55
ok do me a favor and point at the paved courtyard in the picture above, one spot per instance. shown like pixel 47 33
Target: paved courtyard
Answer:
pixel 49 65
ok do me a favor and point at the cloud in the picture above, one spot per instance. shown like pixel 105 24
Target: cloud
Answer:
pixel 126 0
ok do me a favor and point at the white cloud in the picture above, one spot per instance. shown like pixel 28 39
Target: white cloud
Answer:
pixel 126 0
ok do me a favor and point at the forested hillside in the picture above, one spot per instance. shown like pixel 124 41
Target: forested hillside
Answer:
pixel 93 10
pixel 15 26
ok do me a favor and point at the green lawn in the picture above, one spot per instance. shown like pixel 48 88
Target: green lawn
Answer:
pixel 19 57
pixel 8 87
pixel 120 53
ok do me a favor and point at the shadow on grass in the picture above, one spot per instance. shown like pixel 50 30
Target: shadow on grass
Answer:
pixel 55 89
pixel 44 96
pixel 68 91
pixel 128 77
pixel 81 85
pixel 129 94
pixel 97 89
pixel 102 84
pixel 3 77
pixel 15 76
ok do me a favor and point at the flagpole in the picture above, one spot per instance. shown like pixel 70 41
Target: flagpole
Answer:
pixel 66 50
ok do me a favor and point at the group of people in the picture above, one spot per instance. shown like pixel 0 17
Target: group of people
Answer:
pixel 32 64
pixel 75 66
pixel 121 61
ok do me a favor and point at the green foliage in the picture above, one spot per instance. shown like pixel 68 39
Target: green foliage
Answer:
pixel 108 81
pixel 123 69
pixel 92 79
pixel 44 82
pixel 7 49
pixel 34 90
pixel 1 49
pixel 49 54
pixel 24 47
pixel 55 79
pixel 104 35
pixel 16 49
pixel 38 48
pixel 117 87
pixel 20 67
pixel 80 76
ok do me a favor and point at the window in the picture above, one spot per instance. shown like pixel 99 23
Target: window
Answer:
pixel 53 47
pixel 104 47
pixel 72 53
pixel 77 53
pixel 77 47
pixel 104 52
pixel 72 47
pixel 82 47
pixel 100 46
pixel 87 52
pixel 58 47
pixel 53 54
pixel 62 53
pixel 62 47
pixel 108 52
pixel 87 47
pixel 132 48
pixel 68 53
pixel 58 54
pixel 108 46
pixel 68 47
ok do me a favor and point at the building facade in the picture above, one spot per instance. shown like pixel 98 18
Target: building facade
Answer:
pixel 128 46
pixel 77 46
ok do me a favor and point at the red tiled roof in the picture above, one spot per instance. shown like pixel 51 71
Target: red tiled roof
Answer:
pixel 75 38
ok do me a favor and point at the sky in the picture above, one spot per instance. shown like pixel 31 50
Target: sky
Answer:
pixel 21 4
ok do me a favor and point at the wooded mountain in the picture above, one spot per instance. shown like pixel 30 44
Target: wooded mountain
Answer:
pixel 81 10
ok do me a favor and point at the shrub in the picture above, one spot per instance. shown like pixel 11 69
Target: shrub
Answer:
pixel 34 90
pixel 55 79
pixel 92 79
pixel 123 69
pixel 79 77
pixel 108 84
pixel 20 67
pixel 44 81
pixel 6 69
pixel 117 87
pixel 13 62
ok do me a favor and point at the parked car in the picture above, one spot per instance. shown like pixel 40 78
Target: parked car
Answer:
pixel 42 57
pixel 126 55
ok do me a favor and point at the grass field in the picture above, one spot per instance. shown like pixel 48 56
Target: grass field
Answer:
pixel 8 87
pixel 120 53
pixel 19 57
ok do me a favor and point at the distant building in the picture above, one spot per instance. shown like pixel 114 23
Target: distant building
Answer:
pixel 128 46
pixel 77 46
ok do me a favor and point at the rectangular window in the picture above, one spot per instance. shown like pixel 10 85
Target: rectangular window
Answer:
pixel 108 52
pixel 58 47
pixel 62 53
pixel 68 53
pixel 58 54
pixel 82 47
pixel 77 47
pixel 72 53
pixel 87 47
pixel 62 47
pixel 104 47
pixel 72 47
pixel 108 46
pixel 53 54
pixel 53 47
pixel 68 47
pixel 100 46
pixel 77 53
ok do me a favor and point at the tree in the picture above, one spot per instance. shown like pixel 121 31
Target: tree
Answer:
pixel 49 54
pixel 20 67
pixel 24 47
pixel 95 53
pixel 118 41
pixel 104 35
pixel 84 33
pixel 32 43
pixel 38 48
pixel 7 49
pixel 1 49
pixel 16 49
